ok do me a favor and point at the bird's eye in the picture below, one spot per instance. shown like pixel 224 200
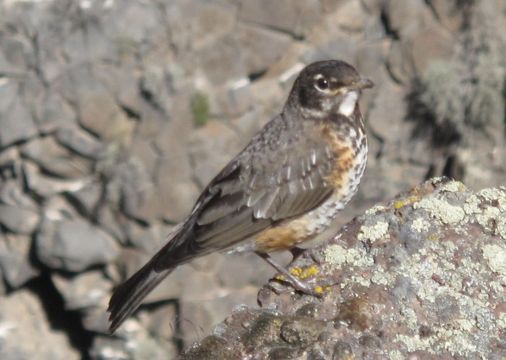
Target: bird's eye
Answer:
pixel 322 84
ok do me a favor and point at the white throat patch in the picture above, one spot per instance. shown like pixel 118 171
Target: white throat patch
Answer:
pixel 348 105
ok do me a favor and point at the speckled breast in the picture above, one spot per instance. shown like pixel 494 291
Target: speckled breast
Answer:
pixel 345 178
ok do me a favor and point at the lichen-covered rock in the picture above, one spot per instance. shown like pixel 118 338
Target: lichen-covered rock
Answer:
pixel 423 275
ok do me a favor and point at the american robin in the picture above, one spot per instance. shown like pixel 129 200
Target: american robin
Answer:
pixel 284 188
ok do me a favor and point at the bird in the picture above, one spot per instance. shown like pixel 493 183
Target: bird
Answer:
pixel 283 189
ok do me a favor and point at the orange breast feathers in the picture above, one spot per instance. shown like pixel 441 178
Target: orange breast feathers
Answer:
pixel 345 159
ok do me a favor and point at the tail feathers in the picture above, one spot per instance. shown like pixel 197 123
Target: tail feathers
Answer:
pixel 129 295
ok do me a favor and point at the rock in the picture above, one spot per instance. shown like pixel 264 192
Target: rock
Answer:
pixel 105 347
pixel 351 16
pixel 415 267
pixel 16 121
pixel 345 47
pixel 112 221
pixel 231 275
pixel 10 163
pixel 407 17
pixel 222 61
pixel 55 159
pixel 95 318
pixel 232 99
pixel 143 150
pixel 83 291
pixel 176 194
pixel 74 245
pixel 18 219
pixel 16 52
pixel 156 86
pixel 157 321
pixel 388 104
pixel 15 263
pixel 291 17
pixel 131 185
pixel 46 186
pixel 432 45
pixel 98 111
pixel 52 112
pixel 79 141
pixel 147 238
pixel 449 13
pixel 87 198
pixel 138 345
pixel 205 142
pixel 399 63
pixel 263 47
pixel 202 23
pixel 202 315
pixel 22 317
pixel 11 193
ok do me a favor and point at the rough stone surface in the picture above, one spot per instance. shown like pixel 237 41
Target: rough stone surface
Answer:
pixel 74 245
pixel 422 274
pixel 18 219
pixel 86 290
pixel 21 318
pixel 15 264
pixel 15 120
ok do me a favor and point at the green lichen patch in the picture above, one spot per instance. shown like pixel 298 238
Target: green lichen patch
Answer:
pixel 441 210
pixel 339 256
pixel 200 108
pixel 420 225
pixel 373 232
pixel 496 258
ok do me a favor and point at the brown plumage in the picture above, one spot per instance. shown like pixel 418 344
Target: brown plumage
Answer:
pixel 283 188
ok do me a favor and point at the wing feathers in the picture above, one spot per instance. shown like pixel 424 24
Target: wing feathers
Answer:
pixel 273 185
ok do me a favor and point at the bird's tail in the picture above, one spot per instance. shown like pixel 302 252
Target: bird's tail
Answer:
pixel 128 296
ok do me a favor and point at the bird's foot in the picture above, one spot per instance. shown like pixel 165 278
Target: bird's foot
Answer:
pixel 289 278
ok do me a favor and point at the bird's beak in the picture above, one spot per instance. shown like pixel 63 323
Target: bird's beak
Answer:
pixel 362 84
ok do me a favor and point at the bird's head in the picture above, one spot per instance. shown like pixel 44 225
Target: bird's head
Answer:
pixel 327 87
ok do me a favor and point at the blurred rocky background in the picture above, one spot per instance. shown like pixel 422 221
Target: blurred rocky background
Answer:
pixel 115 114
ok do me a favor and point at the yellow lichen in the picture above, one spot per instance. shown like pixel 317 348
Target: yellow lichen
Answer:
pixel 304 273
pixel 433 237
pixel 399 204
pixel 321 289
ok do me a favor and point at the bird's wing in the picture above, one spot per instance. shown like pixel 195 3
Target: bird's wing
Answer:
pixel 259 188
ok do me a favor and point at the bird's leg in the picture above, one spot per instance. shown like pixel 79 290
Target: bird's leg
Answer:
pixel 296 252
pixel 297 284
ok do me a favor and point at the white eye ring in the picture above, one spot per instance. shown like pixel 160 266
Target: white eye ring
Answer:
pixel 321 84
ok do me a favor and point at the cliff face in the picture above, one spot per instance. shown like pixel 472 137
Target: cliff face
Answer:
pixel 423 275
pixel 115 114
